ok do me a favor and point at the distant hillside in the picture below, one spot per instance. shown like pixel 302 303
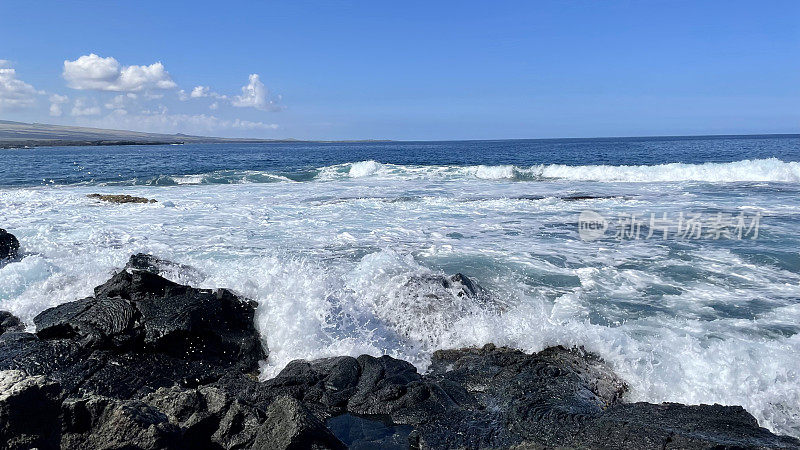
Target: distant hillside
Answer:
pixel 18 134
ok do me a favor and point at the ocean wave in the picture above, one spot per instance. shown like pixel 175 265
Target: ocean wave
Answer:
pixel 759 170
pixel 217 177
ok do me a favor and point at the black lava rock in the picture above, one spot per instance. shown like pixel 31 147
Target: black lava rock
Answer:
pixel 28 411
pixel 9 245
pixel 10 322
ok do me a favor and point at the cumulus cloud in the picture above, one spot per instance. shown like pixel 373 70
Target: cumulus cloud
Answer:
pixel 254 95
pixel 92 72
pixel 55 104
pixel 15 93
pixel 83 107
pixel 200 92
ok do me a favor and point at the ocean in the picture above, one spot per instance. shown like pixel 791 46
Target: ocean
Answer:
pixel 676 259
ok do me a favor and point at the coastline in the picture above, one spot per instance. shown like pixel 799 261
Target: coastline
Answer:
pixel 165 365
pixel 30 135
pixel 170 366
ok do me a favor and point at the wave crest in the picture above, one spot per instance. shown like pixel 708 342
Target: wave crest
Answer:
pixel 758 170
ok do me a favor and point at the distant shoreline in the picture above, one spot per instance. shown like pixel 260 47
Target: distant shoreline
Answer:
pixel 14 135
pixel 29 135
pixel 6 145
pixel 33 144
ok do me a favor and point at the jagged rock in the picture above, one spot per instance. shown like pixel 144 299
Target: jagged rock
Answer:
pixel 499 397
pixel 360 433
pixel 198 412
pixel 138 333
pixel 237 427
pixel 28 411
pixel 148 263
pixel 158 266
pixel 9 245
pixel 102 422
pixel 289 425
pixel 142 311
pixel 149 363
pixel 672 425
pixel 120 198
pixel 458 285
pixel 10 322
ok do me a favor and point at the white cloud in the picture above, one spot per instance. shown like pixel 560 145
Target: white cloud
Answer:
pixel 15 93
pixel 203 92
pixel 254 95
pixel 83 107
pixel 200 92
pixel 92 72
pixel 118 102
pixel 55 104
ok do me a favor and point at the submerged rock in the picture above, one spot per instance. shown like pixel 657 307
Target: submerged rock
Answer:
pixel 9 245
pixel 158 266
pixel 149 363
pixel 121 198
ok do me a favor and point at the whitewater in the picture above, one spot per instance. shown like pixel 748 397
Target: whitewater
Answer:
pixel 337 255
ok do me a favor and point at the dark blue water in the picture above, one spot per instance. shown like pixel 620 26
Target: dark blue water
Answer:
pixel 299 161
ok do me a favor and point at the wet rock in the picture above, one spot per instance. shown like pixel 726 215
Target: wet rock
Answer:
pixel 198 412
pixel 102 422
pixel 28 411
pixel 494 397
pixel 10 322
pixel 149 363
pixel 237 427
pixel 163 267
pixel 138 333
pixel 437 286
pixel 119 198
pixel 360 433
pixel 289 425
pixel 9 245
pixel 141 311
pixel 672 425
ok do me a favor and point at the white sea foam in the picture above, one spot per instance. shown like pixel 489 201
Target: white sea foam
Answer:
pixel 759 170
pixel 771 169
pixel 363 169
pixel 688 322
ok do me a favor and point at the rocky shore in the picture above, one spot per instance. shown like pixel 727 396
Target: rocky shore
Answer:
pixel 148 363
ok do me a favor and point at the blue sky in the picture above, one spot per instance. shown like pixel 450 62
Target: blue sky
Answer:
pixel 405 70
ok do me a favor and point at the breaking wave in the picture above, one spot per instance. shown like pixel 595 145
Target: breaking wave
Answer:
pixel 757 170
